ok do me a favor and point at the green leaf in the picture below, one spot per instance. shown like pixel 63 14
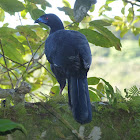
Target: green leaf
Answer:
pixel 93 80
pixel 10 50
pixel 123 106
pixel 7 125
pixel 93 96
pixel 135 30
pixel 103 22
pixel 5 25
pixel 13 42
pixel 43 7
pixel 134 90
pixel 124 31
pixel 118 18
pixel 123 10
pixel 101 10
pixel 68 11
pixel 99 93
pixel 27 32
pixel 55 90
pixel 11 6
pixel 109 1
pixel 100 87
pixel 5 31
pixel 109 92
pixel 108 85
pixel 40 32
pixel 135 101
pixel 23 14
pixel 130 15
pixel 36 13
pixel 107 8
pixel 2 15
pixel 92 8
pixel 42 2
pixel 96 38
pixel 108 34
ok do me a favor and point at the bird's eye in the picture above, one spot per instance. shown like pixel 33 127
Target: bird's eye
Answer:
pixel 47 18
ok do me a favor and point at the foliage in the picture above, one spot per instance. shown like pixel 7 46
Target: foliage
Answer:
pixel 22 59
pixel 7 125
pixel 53 119
pixel 128 21
pixel 23 55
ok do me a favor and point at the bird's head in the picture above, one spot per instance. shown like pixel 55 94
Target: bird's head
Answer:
pixel 52 21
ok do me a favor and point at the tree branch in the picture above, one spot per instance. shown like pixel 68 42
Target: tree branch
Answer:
pixel 132 2
pixel 28 66
pixel 17 94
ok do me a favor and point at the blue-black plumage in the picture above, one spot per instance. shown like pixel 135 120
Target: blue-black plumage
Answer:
pixel 69 54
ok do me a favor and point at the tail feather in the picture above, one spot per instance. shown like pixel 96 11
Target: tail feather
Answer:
pixel 79 100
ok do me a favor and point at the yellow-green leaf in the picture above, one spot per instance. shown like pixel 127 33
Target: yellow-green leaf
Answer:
pixel 2 15
pixel 66 3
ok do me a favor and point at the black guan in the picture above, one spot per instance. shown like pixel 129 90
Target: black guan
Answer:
pixel 69 55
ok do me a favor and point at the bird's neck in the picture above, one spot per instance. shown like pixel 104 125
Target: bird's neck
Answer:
pixel 56 28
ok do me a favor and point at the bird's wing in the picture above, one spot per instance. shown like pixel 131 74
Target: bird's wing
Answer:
pixel 68 48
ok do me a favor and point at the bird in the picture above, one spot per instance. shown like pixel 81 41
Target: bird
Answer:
pixel 69 55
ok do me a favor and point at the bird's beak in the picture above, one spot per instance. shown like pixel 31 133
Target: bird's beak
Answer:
pixel 38 20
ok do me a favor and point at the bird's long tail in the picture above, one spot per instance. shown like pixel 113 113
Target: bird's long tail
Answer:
pixel 79 100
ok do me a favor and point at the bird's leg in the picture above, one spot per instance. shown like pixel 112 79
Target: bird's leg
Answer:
pixel 61 89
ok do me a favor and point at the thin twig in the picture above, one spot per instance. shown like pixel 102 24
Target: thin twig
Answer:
pixel 27 68
pixel 29 45
pixel 41 56
pixel 132 13
pixel 14 68
pixel 13 60
pixel 10 71
pixel 6 65
pixel 31 71
pixel 19 18
pixel 46 69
